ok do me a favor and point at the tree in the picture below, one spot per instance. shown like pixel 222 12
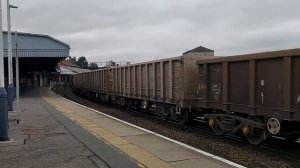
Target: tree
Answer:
pixel 82 62
pixel 93 66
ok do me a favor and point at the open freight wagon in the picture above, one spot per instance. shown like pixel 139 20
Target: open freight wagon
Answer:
pixel 166 87
pixel 256 93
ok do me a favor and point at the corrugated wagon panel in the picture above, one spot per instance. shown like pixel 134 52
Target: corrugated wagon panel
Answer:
pixel 89 81
pixel 76 83
pixel 119 76
pixel 99 80
pixel 91 78
pixel 239 83
pixel 123 83
pixel 94 78
pixel 177 77
pixel 150 79
pixel 202 88
pixel 296 83
pixel 166 82
pixel 138 80
pixel 96 83
pixel 157 80
pixel 109 85
pixel 132 80
pixel 115 77
pixel 269 83
pixel 102 80
pixel 84 80
pixel 191 80
pixel 144 79
pixel 128 80
pixel 215 85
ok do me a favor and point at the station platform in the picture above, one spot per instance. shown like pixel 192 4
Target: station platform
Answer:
pixel 56 132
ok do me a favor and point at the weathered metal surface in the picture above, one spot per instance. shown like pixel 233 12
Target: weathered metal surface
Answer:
pixel 215 86
pixel 238 78
pixel 150 80
pixel 158 79
pixel 254 56
pixel 166 85
pixel 265 84
pixel 171 81
pixel 269 83
pixel 295 101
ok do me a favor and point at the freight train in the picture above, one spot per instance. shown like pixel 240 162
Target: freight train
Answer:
pixel 257 95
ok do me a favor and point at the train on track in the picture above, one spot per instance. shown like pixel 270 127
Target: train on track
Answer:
pixel 256 94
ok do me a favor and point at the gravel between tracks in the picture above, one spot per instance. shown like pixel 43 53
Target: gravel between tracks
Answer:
pixel 239 152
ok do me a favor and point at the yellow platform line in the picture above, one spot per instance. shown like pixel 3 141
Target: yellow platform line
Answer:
pixel 143 157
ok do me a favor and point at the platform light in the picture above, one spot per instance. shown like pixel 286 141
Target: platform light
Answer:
pixel 12 6
pixel 10 87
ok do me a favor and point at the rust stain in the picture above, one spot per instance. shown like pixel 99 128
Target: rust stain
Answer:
pixel 34 131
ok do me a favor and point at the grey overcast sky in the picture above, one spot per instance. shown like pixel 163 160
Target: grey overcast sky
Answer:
pixel 141 30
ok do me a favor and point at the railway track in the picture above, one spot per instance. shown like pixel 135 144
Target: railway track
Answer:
pixel 199 131
pixel 290 150
pixel 275 144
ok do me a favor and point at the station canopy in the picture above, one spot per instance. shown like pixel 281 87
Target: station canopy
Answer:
pixel 36 51
pixel 38 56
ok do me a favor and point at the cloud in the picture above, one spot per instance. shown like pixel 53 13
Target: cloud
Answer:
pixel 141 30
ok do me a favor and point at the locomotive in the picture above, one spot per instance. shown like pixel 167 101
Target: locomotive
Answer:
pixel 255 94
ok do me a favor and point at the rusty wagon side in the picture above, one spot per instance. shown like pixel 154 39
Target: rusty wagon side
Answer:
pixel 166 87
pixel 254 92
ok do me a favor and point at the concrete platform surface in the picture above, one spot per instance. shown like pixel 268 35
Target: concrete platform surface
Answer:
pixel 142 146
pixel 46 138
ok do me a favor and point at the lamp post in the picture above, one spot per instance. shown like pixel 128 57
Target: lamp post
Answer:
pixel 17 76
pixel 10 87
pixel 3 94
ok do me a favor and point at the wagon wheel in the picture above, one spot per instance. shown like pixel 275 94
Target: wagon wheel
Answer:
pixel 128 105
pixel 255 135
pixel 216 127
pixel 145 106
pixel 183 118
pixel 123 103
pixel 159 112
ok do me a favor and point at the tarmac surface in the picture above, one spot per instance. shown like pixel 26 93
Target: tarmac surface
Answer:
pixel 55 132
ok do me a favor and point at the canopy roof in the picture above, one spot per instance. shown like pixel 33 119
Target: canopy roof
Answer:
pixel 36 45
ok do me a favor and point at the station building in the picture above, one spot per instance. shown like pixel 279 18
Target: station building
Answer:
pixel 38 56
pixel 65 70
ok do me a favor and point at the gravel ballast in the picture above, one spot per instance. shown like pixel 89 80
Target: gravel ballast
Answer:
pixel 233 150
